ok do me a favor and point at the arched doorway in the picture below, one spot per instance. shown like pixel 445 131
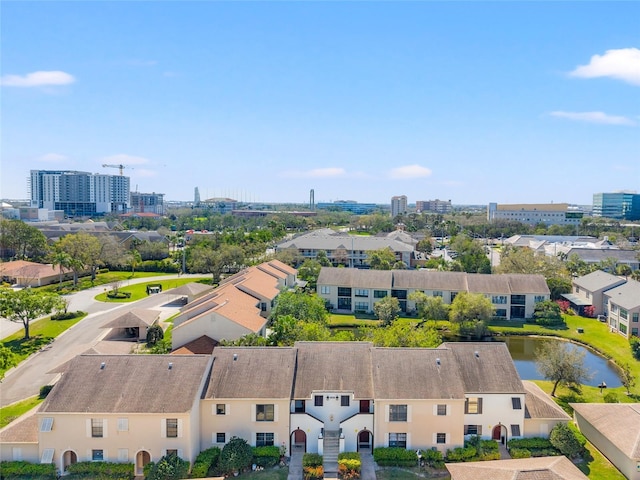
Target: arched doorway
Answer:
pixel 365 440
pixel 68 458
pixel 142 458
pixel 499 433
pixel 298 441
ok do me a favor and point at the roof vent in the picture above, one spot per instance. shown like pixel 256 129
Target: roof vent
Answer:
pixel 477 354
pixel 235 357
pixel 102 365
pixel 170 365
pixel 437 361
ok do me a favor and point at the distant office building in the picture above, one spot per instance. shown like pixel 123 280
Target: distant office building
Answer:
pixel 398 205
pixel 147 203
pixel 79 193
pixel 434 206
pixel 618 205
pixel 220 205
pixel 348 206
pixel 196 197
pixel 535 213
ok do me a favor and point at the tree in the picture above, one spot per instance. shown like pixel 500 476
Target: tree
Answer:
pixel 566 441
pixel 169 467
pixel 425 245
pixel 236 456
pixel 525 260
pixel 469 313
pixel 28 304
pixel 547 312
pixel 322 259
pixel 63 260
pixel 84 250
pixel 558 286
pixel 301 306
pixel 429 308
pixel 309 271
pixel 154 335
pixel 561 363
pixel 134 260
pixel 402 334
pixel 382 259
pixel 387 310
pixel 627 378
pixel 471 255
pixel 21 241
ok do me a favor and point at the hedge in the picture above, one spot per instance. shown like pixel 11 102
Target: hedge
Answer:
pixel 205 462
pixel 394 456
pixel 520 453
pixel 461 454
pixel 19 470
pixel 267 456
pixel 101 470
pixel 349 456
pixel 532 443
pixel 311 460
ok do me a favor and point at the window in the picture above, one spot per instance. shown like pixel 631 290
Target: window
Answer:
pixel 623 313
pixel 264 413
pixel 344 401
pixel 221 409
pixel 453 295
pixel 614 308
pixel 299 406
pixel 399 294
pixel 96 427
pixel 473 429
pixel 221 438
pixel 173 452
pixel 47 424
pixel 379 293
pixel 515 403
pixel 442 409
pixel 437 293
pixel 623 328
pixel 47 455
pixel 264 439
pixel 441 438
pixel 501 312
pixel 172 428
pixel 515 430
pixel 317 400
pixel 518 299
pixel 362 292
pixel 123 455
pixel 635 317
pixel 499 299
pixel 344 291
pixel 542 298
pixel 398 440
pixel 325 289
pixel 397 413
pixel 634 331
pixel 362 306
pixel 97 455
pixel 263 306
pixel 473 405
pixel 123 424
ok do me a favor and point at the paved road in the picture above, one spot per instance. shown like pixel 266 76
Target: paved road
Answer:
pixel 26 379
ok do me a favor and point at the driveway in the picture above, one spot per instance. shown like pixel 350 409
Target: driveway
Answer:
pixel 26 379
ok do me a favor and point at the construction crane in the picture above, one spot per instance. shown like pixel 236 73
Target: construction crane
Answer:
pixel 119 166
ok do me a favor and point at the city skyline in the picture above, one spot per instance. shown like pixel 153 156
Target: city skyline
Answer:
pixel 476 102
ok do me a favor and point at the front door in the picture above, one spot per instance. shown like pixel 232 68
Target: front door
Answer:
pixel 364 406
pixel 142 458
pixel 364 440
pixel 497 431
pixel 299 441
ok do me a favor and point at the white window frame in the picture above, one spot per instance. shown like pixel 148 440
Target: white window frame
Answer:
pixel 47 455
pixel 47 424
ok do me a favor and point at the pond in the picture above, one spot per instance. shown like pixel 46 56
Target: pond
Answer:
pixel 523 349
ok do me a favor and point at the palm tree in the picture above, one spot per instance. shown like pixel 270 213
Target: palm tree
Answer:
pixel 62 259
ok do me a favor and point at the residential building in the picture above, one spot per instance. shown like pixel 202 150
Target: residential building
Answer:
pixel 344 249
pixel 618 205
pixel 238 307
pixel 589 290
pixel 398 205
pixel 539 468
pixel 31 274
pixel 434 206
pixel 614 429
pixel 352 290
pixel 535 213
pixel 147 203
pixel 79 193
pixel 348 206
pixel 324 397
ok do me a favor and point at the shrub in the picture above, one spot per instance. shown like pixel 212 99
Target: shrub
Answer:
pixel 349 456
pixel 266 456
pixel 635 347
pixel 154 335
pixel 520 453
pixel 101 470
pixel 44 390
pixel 7 358
pixel 236 456
pixel 433 458
pixel 394 456
pixel 27 471
pixel 565 440
pixel 311 460
pixel 169 467
pixel 205 462
pixel 66 315
pixel 532 443
pixel 313 473
pixel 349 468
pixel 611 397
pixel 461 454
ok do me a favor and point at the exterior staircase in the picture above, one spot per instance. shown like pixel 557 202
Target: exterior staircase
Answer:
pixel 331 448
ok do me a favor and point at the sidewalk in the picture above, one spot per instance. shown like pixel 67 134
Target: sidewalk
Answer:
pixel 295 466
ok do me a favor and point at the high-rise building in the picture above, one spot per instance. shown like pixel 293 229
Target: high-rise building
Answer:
pixel 398 205
pixel 196 197
pixel 434 206
pixel 535 213
pixel 79 193
pixel 147 203
pixel 618 205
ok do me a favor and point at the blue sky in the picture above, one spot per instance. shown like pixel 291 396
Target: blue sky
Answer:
pixel 262 101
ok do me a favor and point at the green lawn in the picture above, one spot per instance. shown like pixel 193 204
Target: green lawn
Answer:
pixel 101 279
pixel 410 473
pixel 276 473
pixel 139 291
pixel 10 413
pixel 597 467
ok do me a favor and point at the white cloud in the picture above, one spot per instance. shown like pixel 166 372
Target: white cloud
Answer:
pixel 37 79
pixel 330 172
pixel 123 158
pixel 52 158
pixel 410 171
pixel 595 117
pixel 622 64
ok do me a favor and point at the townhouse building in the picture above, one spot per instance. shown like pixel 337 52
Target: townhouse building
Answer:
pixel 351 290
pixel 324 397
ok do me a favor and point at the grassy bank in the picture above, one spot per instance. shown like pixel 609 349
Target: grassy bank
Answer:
pixel 139 291
pixel 10 413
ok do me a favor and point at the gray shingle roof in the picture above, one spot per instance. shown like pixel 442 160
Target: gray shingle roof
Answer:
pixel 595 255
pixel 539 405
pixel 486 367
pixel 617 422
pixel 324 241
pixel 598 280
pixel 354 277
pixel 429 280
pixel 128 384
pixel 252 372
pixel 540 468
pixel 625 296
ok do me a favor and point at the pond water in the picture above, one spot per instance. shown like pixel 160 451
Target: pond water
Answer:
pixel 523 349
